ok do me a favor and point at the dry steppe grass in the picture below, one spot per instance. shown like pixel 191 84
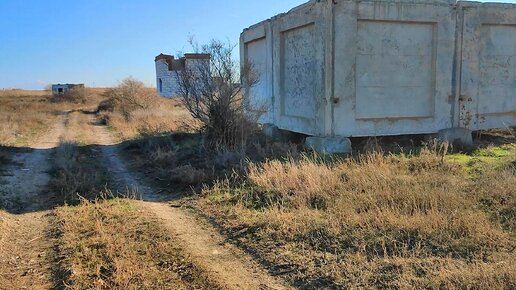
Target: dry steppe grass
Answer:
pixel 113 245
pixel 133 110
pixel 376 221
pixel 25 115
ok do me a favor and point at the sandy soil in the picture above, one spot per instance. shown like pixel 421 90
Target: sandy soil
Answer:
pixel 25 250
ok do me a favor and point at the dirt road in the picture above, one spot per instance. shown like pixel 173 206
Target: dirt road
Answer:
pixel 25 249
pixel 223 261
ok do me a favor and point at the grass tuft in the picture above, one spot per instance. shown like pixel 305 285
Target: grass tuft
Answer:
pixel 113 245
pixel 376 220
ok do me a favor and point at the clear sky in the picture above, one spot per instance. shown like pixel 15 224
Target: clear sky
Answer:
pixel 100 42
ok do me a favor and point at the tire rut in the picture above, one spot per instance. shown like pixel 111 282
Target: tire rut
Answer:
pixel 25 249
pixel 204 244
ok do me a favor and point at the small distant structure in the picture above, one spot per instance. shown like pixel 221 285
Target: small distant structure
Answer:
pixel 59 89
pixel 169 69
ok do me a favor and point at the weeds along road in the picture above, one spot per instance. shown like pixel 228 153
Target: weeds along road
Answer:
pixel 27 259
pixel 25 248
pixel 225 263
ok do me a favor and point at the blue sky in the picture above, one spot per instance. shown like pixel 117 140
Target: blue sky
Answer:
pixel 100 42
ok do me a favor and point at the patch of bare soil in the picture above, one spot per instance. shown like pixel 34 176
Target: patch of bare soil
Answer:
pixel 207 248
pixel 24 247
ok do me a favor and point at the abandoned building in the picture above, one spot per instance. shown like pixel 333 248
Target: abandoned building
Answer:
pixel 334 69
pixel 169 69
pixel 59 89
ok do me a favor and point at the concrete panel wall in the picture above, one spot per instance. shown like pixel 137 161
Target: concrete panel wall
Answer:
pixel 395 65
pixel 298 64
pixel 298 68
pixel 382 67
pixel 256 49
pixel 488 74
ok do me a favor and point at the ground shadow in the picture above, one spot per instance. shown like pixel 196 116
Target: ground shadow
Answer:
pixel 126 165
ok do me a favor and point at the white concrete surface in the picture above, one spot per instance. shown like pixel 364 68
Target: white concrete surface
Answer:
pixel 379 67
pixel 169 71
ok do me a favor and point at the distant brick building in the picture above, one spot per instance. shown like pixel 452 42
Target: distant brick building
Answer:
pixel 168 71
pixel 59 89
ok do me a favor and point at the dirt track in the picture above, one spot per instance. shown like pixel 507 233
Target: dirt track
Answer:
pixel 224 262
pixel 25 248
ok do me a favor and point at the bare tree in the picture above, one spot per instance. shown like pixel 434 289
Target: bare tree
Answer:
pixel 213 93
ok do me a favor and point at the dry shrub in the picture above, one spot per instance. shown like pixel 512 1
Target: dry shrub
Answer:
pixel 134 110
pixel 75 177
pixel 212 91
pixel 113 245
pixel 131 95
pixel 377 221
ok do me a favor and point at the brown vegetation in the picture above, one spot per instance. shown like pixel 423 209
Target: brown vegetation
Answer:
pixel 25 115
pixel 377 221
pixel 113 245
pixel 134 110
pixel 76 95
pixel 212 91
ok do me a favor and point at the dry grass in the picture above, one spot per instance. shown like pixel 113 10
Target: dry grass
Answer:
pixel 378 221
pixel 133 111
pixel 25 115
pixel 76 174
pixel 113 245
pixel 167 116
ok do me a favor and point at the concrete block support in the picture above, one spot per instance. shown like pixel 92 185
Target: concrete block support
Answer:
pixel 454 135
pixel 329 145
pixel 271 131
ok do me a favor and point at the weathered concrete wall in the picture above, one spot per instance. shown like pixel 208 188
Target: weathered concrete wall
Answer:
pixel 363 68
pixel 399 80
pixel 488 69
pixel 256 48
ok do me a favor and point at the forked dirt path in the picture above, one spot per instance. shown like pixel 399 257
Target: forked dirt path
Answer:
pixel 24 247
pixel 200 241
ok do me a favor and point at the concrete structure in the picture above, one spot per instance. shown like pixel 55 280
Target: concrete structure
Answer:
pixel 169 69
pixel 59 89
pixel 336 68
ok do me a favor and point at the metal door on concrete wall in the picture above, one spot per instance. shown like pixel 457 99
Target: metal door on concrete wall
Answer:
pixel 487 51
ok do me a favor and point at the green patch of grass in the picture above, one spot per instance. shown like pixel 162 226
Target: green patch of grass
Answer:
pixel 496 151
pixel 480 159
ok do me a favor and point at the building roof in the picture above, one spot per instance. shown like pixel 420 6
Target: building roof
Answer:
pixel 197 56
pixel 179 64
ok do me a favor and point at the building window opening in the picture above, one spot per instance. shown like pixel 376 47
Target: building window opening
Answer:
pixel 160 85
